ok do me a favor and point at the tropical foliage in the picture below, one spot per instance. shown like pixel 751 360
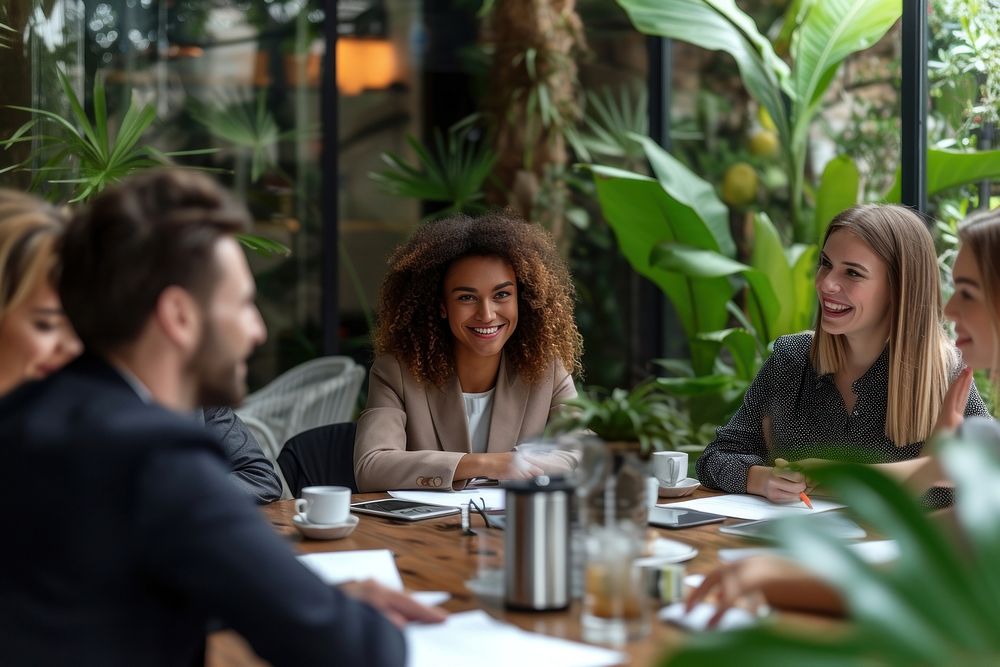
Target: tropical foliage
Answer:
pixel 452 172
pixel 87 154
pixel 674 230
pixel 938 604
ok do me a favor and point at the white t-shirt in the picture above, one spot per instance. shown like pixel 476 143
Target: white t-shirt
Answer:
pixel 478 411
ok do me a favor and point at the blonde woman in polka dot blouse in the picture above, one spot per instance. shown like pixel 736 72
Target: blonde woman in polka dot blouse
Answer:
pixel 868 385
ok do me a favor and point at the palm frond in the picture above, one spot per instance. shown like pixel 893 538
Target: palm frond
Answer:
pixel 453 170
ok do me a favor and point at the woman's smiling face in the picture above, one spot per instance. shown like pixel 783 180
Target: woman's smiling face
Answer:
pixel 968 309
pixel 480 302
pixel 852 284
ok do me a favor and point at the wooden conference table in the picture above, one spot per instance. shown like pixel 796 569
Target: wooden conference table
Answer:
pixel 432 555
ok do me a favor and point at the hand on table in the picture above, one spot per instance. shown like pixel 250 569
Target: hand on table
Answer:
pixel 504 465
pixel 743 579
pixel 395 605
pixel 762 581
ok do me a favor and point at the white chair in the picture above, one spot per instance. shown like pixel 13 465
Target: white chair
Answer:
pixel 318 392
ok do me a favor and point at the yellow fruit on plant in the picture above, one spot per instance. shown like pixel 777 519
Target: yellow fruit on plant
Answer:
pixel 764 143
pixel 765 119
pixel 739 185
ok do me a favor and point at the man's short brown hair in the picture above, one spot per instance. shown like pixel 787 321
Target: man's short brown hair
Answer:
pixel 137 238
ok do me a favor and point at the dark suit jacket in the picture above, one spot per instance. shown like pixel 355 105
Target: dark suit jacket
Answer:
pixel 123 535
pixel 251 471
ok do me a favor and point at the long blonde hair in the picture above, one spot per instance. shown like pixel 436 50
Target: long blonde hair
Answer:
pixel 920 355
pixel 29 232
pixel 980 233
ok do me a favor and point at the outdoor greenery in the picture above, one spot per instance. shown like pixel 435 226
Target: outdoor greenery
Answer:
pixel 938 604
pixel 453 172
pixel 87 154
pixel 734 296
pixel 86 146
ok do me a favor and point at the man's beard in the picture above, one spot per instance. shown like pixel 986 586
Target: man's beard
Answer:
pixel 219 385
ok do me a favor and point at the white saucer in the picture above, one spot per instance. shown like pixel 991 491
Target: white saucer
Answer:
pixel 684 487
pixel 325 531
pixel 665 550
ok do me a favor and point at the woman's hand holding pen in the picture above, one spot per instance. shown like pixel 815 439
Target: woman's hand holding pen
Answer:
pixel 779 485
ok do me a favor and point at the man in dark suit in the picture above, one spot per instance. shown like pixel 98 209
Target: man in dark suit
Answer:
pixel 127 536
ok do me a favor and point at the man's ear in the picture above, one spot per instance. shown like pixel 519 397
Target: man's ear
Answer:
pixel 180 318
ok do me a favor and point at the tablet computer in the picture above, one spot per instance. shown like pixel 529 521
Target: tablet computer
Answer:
pixel 406 510
pixel 840 525
pixel 671 518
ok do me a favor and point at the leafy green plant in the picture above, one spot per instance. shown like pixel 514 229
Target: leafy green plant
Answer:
pixel 5 35
pixel 646 415
pixel 90 148
pixel 674 230
pixel 249 127
pixel 938 604
pixel 453 171
pixel 611 117
pixel 825 34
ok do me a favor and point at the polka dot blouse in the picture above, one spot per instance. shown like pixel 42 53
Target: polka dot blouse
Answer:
pixel 808 419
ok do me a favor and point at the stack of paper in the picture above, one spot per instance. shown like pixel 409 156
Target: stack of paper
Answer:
pixel 493 497
pixel 336 567
pixel 751 508
pixel 476 638
pixel 697 619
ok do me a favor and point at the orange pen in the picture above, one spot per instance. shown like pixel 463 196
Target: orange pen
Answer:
pixel 782 463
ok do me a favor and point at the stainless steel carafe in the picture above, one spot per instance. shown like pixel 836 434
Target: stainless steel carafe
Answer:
pixel 537 544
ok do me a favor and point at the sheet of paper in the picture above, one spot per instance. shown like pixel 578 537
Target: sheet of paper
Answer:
pixel 875 552
pixel 431 598
pixel 493 496
pixel 336 567
pixel 697 620
pixel 476 638
pixel 751 508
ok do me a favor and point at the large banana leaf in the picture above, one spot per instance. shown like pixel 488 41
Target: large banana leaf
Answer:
pixel 833 30
pixel 642 215
pixel 768 257
pixel 803 259
pixel 718 25
pixel 697 263
pixel 950 168
pixel 838 191
pixel 688 188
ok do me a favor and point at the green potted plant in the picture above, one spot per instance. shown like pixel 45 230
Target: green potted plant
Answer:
pixel 937 604
pixel 628 427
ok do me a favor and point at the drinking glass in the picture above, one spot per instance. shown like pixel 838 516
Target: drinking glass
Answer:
pixel 615 607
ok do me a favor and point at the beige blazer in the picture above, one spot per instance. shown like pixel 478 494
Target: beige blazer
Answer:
pixel 411 435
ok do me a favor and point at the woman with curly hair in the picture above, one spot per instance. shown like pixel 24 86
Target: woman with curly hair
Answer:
pixel 475 346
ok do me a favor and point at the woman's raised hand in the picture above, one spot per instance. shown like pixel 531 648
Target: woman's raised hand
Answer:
pixel 953 408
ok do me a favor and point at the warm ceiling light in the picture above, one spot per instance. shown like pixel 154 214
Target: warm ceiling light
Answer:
pixel 364 63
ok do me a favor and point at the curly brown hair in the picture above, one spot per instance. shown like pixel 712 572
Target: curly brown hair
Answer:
pixel 410 326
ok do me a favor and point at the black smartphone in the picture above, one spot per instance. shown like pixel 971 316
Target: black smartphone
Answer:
pixel 670 518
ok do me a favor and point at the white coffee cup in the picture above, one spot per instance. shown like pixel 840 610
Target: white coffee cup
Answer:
pixel 324 504
pixel 670 468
